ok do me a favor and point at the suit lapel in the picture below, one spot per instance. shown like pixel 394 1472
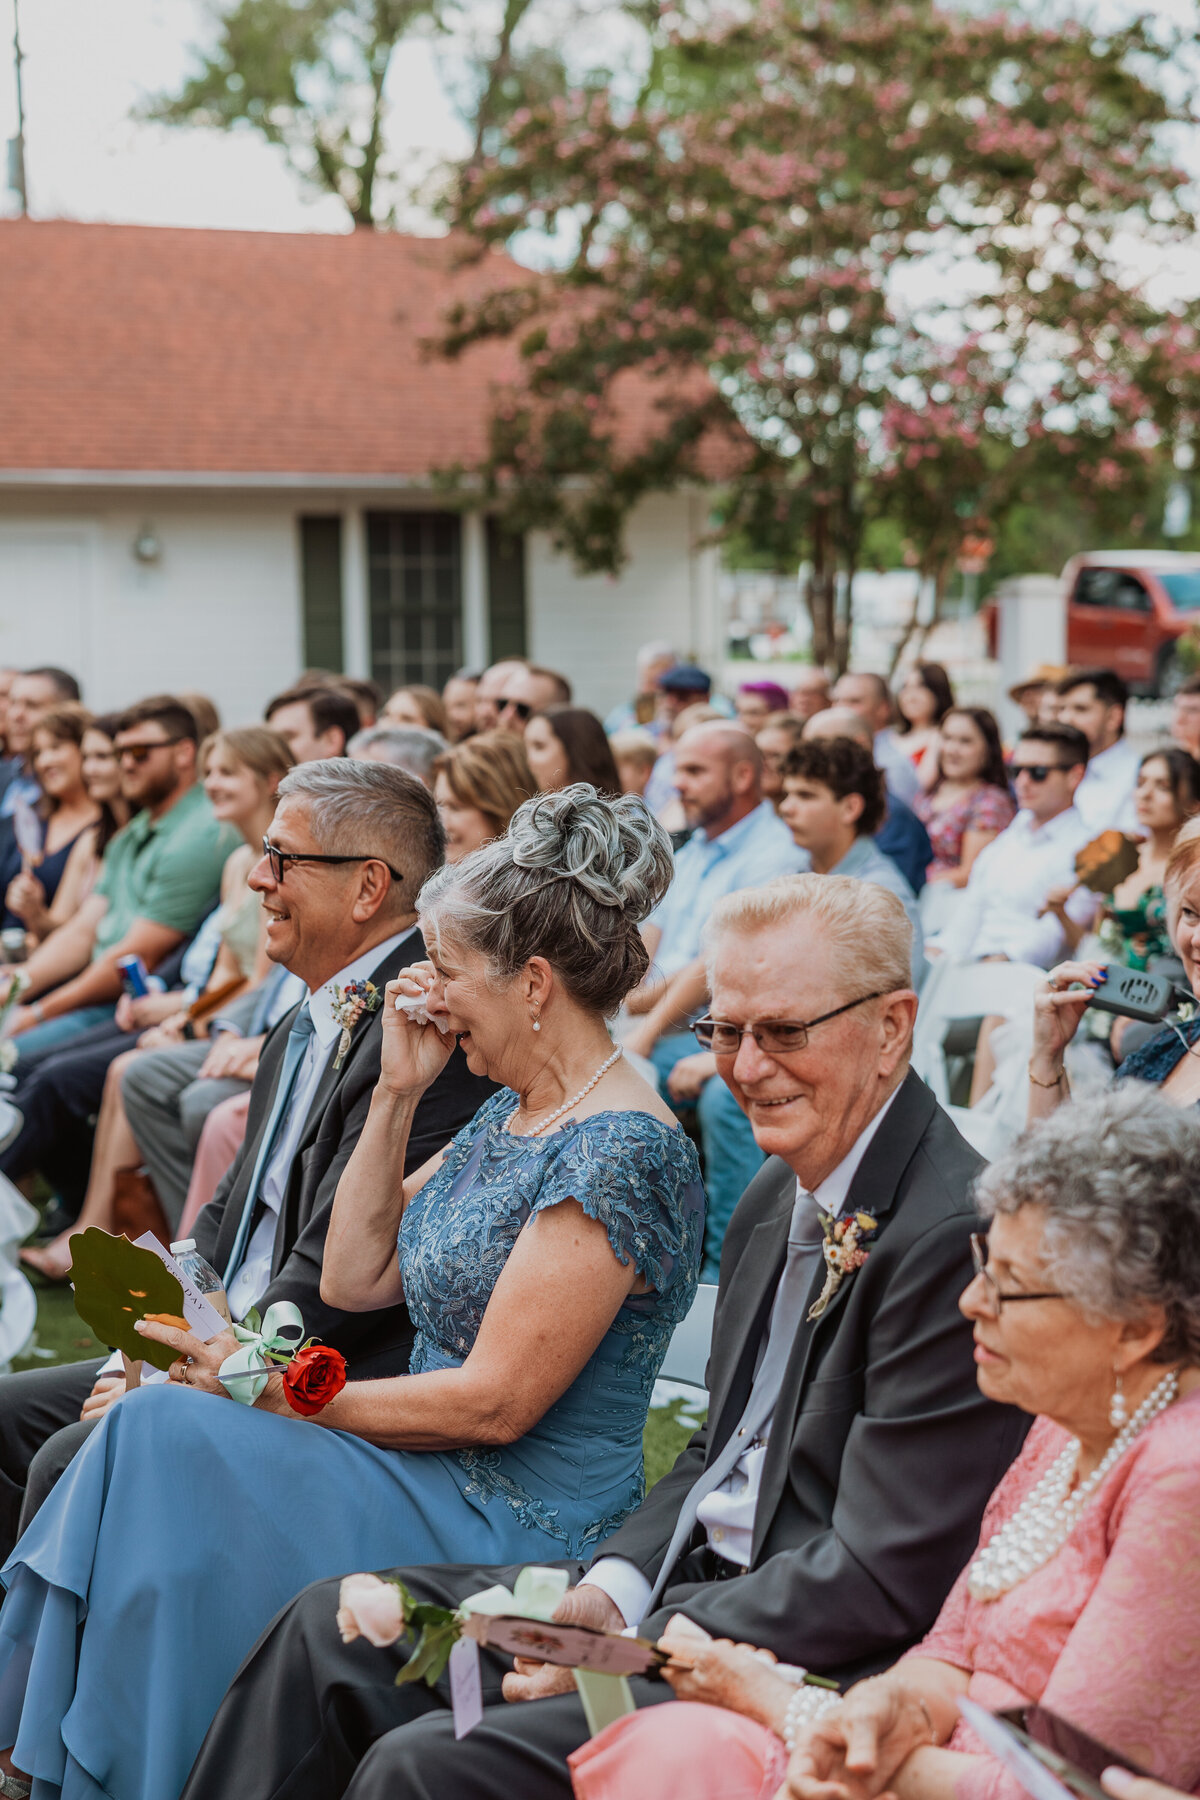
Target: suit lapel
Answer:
pixel 872 1190
pixel 287 1228
pixel 745 1308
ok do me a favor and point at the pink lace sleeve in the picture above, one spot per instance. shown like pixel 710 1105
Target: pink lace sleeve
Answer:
pixel 1128 1671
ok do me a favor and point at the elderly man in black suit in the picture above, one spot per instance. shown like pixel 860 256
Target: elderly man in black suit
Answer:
pixel 353 844
pixel 827 1506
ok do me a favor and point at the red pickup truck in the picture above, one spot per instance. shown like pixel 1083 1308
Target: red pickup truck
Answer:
pixel 1127 610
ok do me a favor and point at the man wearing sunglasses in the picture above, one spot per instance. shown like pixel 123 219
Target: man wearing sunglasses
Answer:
pixel 527 690
pixel 161 876
pixel 1005 908
pixel 827 1506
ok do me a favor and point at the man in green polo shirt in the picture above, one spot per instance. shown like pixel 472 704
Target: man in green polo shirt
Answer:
pixel 161 875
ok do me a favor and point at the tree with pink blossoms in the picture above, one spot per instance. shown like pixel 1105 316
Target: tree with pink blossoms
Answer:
pixel 854 261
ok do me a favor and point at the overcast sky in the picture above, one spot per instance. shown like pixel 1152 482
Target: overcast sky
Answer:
pixel 87 63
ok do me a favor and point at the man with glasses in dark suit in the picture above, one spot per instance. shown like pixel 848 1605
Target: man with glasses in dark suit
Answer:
pixel 827 1506
pixel 351 846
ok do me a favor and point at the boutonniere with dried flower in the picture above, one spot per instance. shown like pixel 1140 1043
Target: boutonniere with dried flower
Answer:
pixel 843 1252
pixel 349 1005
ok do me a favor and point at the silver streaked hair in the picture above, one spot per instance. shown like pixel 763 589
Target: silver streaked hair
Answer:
pixel 571 880
pixel 372 809
pixel 408 747
pixel 1118 1175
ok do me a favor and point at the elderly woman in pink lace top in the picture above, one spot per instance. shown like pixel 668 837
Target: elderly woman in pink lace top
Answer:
pixel 1084 1593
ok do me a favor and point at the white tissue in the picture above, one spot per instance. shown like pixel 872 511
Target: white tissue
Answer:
pixel 413 1007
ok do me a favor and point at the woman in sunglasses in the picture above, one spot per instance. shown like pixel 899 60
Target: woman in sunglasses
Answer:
pixel 1083 1593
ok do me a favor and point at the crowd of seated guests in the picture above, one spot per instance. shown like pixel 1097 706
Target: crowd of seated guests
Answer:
pixel 644 994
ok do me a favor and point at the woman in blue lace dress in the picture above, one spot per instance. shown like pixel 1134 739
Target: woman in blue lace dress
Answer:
pixel 545 1256
pixel 1170 1060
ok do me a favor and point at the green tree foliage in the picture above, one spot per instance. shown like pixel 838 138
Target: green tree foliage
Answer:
pixel 309 75
pixel 886 233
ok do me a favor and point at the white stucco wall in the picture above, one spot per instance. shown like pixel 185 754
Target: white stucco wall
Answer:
pixel 217 612
pixel 220 609
pixel 590 627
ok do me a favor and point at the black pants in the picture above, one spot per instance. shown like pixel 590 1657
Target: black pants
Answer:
pixel 310 1718
pixel 59 1099
pixel 40 1431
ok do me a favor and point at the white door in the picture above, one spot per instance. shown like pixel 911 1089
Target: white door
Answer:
pixel 46 576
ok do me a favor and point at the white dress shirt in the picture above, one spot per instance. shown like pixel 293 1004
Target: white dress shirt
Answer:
pixel 253 1278
pixel 897 765
pixel 998 914
pixel 1104 798
pixel 727 1514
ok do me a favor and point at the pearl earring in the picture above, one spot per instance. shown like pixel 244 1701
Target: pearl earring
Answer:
pixel 537 1024
pixel 1118 1412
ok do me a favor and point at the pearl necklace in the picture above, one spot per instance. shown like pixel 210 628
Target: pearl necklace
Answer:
pixel 587 1087
pixel 1048 1514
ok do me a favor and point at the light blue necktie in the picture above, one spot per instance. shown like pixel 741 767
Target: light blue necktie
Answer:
pixel 293 1056
pixel 805 1237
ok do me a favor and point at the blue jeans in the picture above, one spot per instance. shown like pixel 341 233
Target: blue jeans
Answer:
pixel 40 1041
pixel 731 1156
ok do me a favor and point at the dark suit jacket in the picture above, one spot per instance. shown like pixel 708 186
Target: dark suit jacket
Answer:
pixel 903 837
pixel 373 1343
pixel 882 1451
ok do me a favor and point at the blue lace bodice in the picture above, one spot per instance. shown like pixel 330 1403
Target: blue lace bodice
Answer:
pixel 578 1471
pixel 640 1178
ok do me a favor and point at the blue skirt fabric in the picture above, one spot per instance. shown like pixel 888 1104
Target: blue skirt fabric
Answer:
pixel 182 1527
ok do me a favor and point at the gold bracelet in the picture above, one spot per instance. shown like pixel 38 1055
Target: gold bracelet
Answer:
pixel 1057 1082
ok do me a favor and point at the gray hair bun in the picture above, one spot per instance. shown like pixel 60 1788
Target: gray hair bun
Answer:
pixel 610 846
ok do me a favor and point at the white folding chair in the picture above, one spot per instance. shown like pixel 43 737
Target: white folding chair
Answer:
pixel 966 990
pixel 18 1302
pixel 687 1353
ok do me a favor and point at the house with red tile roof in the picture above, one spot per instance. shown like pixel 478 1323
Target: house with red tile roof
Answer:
pixel 217 466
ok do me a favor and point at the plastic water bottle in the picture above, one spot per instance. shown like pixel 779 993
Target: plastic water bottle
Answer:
pixel 201 1273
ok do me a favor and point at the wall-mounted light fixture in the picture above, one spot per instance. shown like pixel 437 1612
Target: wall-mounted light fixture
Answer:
pixel 147 546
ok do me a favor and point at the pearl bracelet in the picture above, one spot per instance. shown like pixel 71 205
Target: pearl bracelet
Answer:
pixel 806 1704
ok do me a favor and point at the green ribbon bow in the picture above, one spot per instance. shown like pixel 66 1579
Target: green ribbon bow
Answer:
pixel 244 1374
pixel 536 1595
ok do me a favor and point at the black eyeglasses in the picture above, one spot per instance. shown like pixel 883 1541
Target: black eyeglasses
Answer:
pixel 991 1287
pixel 278 859
pixel 776 1037
pixel 140 753
pixel 522 709
pixel 1036 771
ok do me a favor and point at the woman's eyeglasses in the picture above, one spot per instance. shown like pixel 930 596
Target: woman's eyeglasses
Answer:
pixel 279 859
pixel 776 1037
pixel 991 1287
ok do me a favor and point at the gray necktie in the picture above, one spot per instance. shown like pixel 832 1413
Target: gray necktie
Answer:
pixel 787 1315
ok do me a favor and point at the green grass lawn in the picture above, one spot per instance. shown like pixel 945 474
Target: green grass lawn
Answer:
pixel 62 1337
